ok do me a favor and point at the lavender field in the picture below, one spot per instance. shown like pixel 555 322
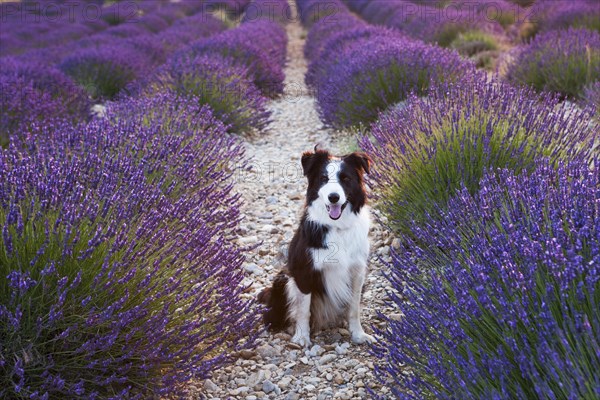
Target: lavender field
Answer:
pixel 150 182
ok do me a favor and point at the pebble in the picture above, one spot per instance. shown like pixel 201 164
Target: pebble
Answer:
pixel 210 386
pixel 316 350
pixel 327 358
pixel 268 386
pixel 342 348
pixel 284 382
pixel 267 351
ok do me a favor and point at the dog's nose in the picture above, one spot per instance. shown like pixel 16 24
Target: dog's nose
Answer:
pixel 334 198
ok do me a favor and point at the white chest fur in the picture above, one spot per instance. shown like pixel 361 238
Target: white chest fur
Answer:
pixel 343 261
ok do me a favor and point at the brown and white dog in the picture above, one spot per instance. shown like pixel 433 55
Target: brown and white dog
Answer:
pixel 327 258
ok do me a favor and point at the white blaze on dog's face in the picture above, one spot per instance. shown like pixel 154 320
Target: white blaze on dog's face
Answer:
pixel 335 184
pixel 332 193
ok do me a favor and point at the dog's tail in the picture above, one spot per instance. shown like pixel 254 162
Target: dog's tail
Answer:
pixel 275 298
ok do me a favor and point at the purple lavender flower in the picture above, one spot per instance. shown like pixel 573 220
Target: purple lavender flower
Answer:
pixel 131 287
pixel 563 61
pixel 500 299
pixel 368 79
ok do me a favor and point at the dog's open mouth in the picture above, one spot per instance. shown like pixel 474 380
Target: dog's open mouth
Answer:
pixel 335 210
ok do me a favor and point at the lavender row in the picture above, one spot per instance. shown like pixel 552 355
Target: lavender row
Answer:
pixel 92 69
pixel 441 22
pixel 562 59
pixel 508 304
pixel 39 24
pixel 359 70
pixel 118 276
pixel 493 190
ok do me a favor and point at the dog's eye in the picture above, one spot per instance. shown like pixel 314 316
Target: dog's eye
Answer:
pixel 324 178
pixel 345 179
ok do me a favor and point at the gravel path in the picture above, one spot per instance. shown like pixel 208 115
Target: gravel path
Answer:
pixel 273 194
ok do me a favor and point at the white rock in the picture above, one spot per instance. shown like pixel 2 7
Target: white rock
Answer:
pixel 210 386
pixel 284 382
pixel 309 388
pixel 327 358
pixel 266 351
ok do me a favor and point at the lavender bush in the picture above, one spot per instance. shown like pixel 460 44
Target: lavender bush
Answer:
pixel 437 145
pixel 217 82
pixel 312 11
pixel 154 23
pixel 22 105
pixel 561 14
pixel 258 46
pixel 118 280
pixel 320 33
pixel 482 48
pixel 563 61
pixel 444 30
pixel 32 93
pixel 106 70
pixel 188 30
pixel 51 80
pixel 370 78
pixel 329 53
pixel 126 30
pixel 508 305
pixel 121 12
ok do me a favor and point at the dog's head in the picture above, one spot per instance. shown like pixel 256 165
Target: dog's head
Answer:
pixel 335 184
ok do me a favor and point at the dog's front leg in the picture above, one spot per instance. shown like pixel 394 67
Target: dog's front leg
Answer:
pixel 302 319
pixel 354 325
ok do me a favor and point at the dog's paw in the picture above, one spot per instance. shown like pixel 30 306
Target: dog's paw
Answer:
pixel 302 340
pixel 362 337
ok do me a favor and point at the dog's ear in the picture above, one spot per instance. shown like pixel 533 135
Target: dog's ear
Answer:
pixel 308 160
pixel 359 160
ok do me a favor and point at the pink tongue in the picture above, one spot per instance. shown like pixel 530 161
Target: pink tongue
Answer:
pixel 335 210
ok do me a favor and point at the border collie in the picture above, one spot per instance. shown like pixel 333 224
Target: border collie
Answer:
pixel 327 257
